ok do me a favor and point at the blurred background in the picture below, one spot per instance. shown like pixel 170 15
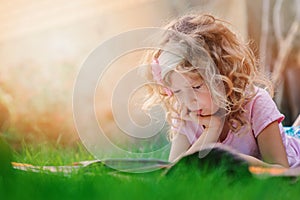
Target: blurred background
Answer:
pixel 43 43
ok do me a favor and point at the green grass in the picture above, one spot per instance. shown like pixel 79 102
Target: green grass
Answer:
pixel 189 179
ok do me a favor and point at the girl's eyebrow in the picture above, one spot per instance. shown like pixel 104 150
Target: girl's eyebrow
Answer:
pixel 192 84
pixel 197 82
pixel 200 81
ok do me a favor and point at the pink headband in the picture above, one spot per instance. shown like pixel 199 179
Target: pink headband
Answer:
pixel 156 73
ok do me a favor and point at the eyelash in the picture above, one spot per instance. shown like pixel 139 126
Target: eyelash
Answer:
pixel 194 88
pixel 197 87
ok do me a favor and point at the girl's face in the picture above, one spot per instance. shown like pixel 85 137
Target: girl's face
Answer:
pixel 192 93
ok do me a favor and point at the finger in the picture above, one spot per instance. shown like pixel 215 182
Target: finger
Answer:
pixel 184 115
pixel 186 118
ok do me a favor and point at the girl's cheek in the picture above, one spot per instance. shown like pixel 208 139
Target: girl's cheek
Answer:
pixel 204 99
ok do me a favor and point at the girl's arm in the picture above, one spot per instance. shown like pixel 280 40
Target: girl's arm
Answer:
pixel 297 122
pixel 205 139
pixel 179 146
pixel 271 146
pixel 256 162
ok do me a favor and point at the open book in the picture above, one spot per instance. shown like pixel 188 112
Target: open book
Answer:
pixel 216 156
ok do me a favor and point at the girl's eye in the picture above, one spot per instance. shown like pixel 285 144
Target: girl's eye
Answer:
pixel 176 91
pixel 197 87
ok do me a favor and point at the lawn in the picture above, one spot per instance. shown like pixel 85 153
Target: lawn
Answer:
pixel 191 178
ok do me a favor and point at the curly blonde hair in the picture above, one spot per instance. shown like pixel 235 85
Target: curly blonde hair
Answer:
pixel 211 48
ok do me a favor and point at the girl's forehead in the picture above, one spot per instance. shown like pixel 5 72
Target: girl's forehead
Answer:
pixel 183 78
pixel 189 75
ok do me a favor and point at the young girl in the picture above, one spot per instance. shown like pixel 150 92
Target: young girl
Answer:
pixel 209 82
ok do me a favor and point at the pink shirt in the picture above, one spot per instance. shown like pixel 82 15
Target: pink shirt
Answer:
pixel 260 112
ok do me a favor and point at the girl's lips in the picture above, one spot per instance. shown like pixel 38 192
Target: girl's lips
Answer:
pixel 199 112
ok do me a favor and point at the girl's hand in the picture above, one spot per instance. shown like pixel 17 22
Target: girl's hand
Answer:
pixel 185 114
pixel 212 125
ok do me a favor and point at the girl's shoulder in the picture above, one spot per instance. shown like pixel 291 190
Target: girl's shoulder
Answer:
pixel 260 98
pixel 261 110
pixel 260 92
